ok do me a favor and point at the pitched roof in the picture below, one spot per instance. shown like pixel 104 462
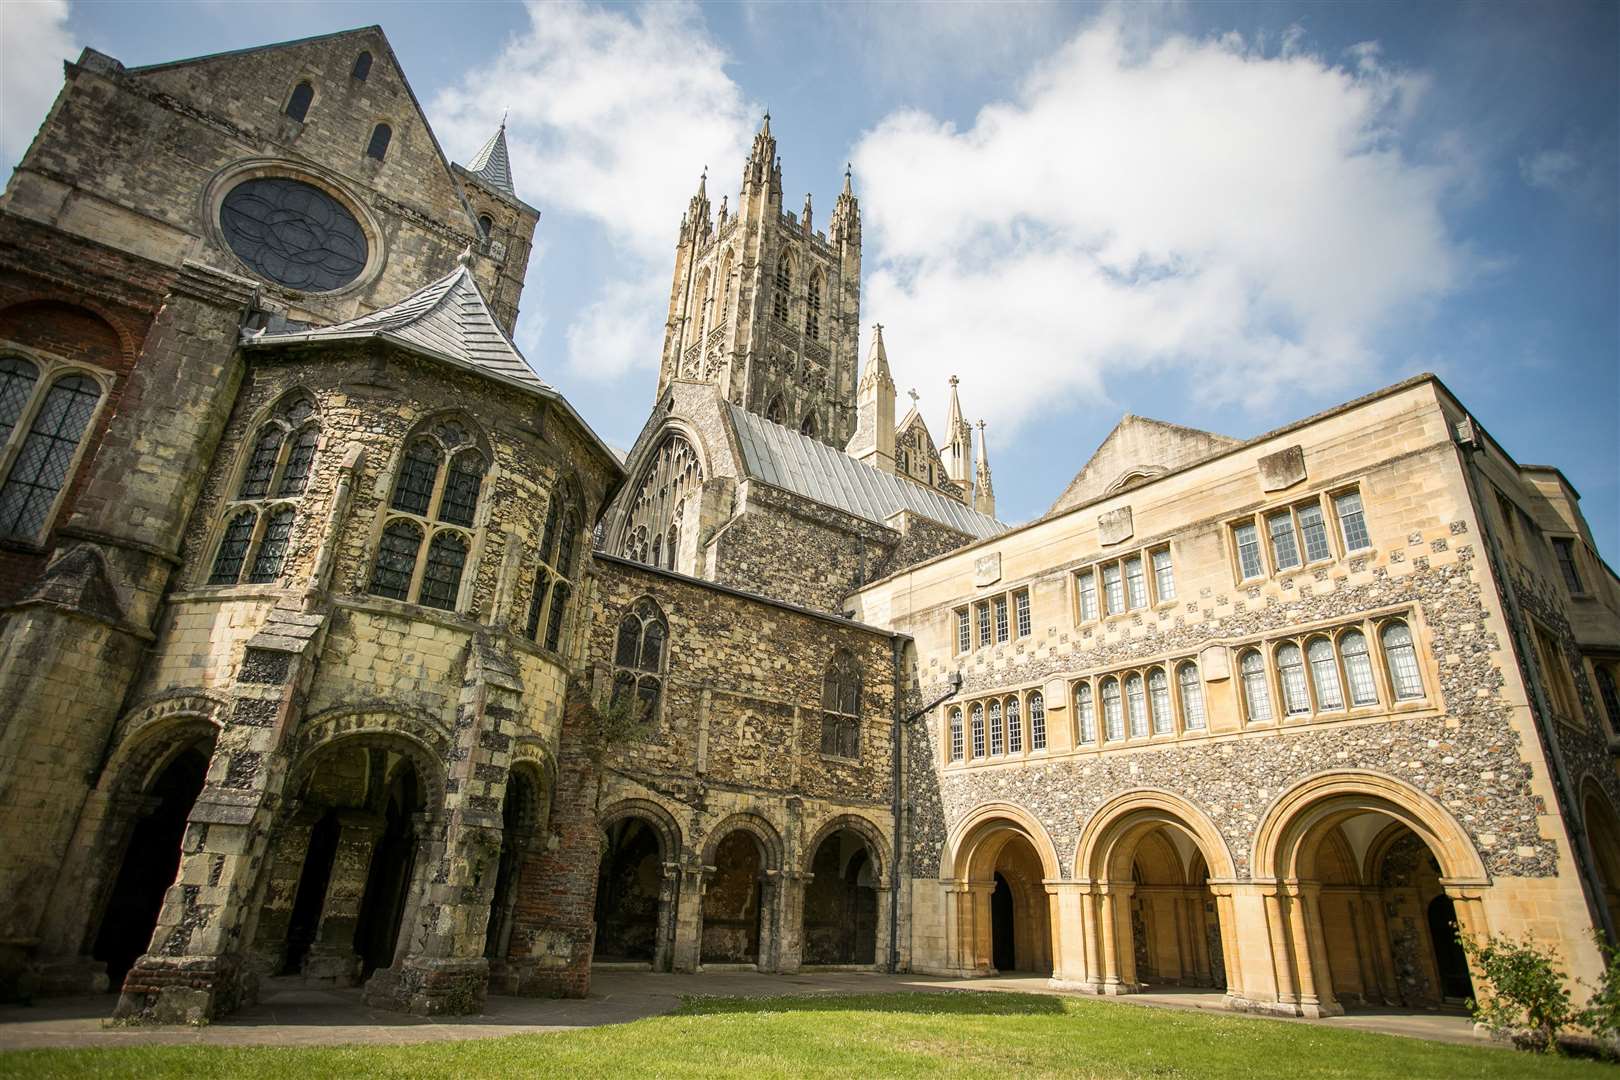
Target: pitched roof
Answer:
pixel 814 470
pixel 492 164
pixel 447 320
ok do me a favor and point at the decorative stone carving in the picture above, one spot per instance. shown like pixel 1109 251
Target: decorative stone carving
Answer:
pixel 1115 526
pixel 1283 469
pixel 987 569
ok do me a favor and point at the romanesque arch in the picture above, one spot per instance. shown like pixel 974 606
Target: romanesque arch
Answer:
pixel 636 884
pixel 999 911
pixel 1603 834
pixel 742 864
pixel 843 917
pixel 1367 883
pixel 1156 895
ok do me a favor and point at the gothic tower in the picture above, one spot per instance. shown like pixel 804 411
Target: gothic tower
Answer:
pixel 764 307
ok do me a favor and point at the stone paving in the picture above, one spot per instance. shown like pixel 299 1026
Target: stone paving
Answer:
pixel 290 1014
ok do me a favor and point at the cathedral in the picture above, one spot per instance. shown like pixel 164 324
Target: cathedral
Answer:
pixel 337 649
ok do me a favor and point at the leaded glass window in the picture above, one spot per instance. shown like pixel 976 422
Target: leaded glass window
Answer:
pixel 964 638
pixel 17 379
pixel 1248 547
pixel 1015 728
pixel 1325 674
pixel 293 234
pixel 272 547
pixel 396 559
pixel 639 656
pixel 1037 721
pixel 1399 651
pixel 40 468
pixel 1313 529
pixel 1086 714
pixel 1358 668
pixel 956 734
pixel 1114 588
pixel 300 455
pixel 558 540
pixel 1164 575
pixel 994 715
pixel 560 594
pixel 1284 546
pixel 1113 711
pixel 978 731
pixel 537 602
pixel 298 101
pixel 438 483
pixel 1088 595
pixel 418 472
pixel 1256 693
pixel 984 625
pixel 1352 521
pixel 1136 705
pixel 1192 697
pixel 1159 697
pixel 377 148
pixel 261 464
pixel 1136 582
pixel 233 548
pixel 460 500
pixel 1291 670
pixel 1021 610
pixel 1001 619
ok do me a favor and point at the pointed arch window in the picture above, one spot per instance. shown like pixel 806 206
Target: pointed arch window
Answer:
pixel 812 309
pixel 1159 698
pixel 430 528
pixel 655 518
pixel 1113 711
pixel 299 100
pixel 1291 671
pixel 554 567
pixel 841 708
pixel 377 148
pixel 639 658
pixel 994 713
pixel 808 427
pixel 776 411
pixel 40 437
pixel 1015 728
pixel 956 734
pixel 1085 714
pixel 784 286
pixel 1037 721
pixel 1358 670
pixel 1192 697
pixel 362 66
pixel 258 522
pixel 978 731
pixel 1399 652
pixel 1325 674
pixel 1256 693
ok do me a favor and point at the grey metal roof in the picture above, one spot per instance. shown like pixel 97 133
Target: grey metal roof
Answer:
pixel 447 320
pixel 493 164
pixel 800 464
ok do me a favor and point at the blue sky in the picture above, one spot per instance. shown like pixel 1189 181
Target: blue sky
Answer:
pixel 1224 215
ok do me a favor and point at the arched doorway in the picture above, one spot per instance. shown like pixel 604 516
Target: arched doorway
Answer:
pixel 1603 833
pixel 841 902
pixel 522 816
pixel 732 902
pixel 1000 912
pixel 343 877
pixel 1155 918
pixel 1373 884
pixel 628 892
pixel 150 861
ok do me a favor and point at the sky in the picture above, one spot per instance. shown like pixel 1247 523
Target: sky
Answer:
pixel 1225 215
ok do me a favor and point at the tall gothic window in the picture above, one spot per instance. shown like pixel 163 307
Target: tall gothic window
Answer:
pixel 655 521
pixel 956 733
pixel 841 708
pixel 809 425
pixel 43 418
pixel 377 148
pixel 1037 720
pixel 812 309
pixel 784 285
pixel 776 411
pixel 299 100
pixel 362 66
pixel 257 522
pixel 639 657
pixel 429 526
pixel 554 568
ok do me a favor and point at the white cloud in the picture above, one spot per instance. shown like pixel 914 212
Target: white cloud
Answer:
pixel 606 106
pixel 34 40
pixel 1581 172
pixel 1240 218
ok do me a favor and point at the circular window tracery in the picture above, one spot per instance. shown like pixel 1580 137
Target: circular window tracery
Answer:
pixel 293 233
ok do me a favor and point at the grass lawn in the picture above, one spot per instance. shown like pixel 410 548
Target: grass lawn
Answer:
pixel 846 1036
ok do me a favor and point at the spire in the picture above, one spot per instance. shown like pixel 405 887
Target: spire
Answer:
pixel 846 215
pixel 493 164
pixel 958 443
pixel 697 212
pixel 877 362
pixel 805 217
pixel 984 495
pixel 762 158
pixel 873 441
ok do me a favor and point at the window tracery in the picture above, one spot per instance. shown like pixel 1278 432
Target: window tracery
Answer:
pixel 554 568
pixel 841 707
pixel 654 523
pixel 639 658
pixel 259 518
pixel 435 499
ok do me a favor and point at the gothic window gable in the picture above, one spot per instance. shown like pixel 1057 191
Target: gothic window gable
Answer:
pixel 655 521
pixel 256 524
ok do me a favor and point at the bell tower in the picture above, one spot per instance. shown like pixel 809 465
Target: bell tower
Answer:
pixel 765 308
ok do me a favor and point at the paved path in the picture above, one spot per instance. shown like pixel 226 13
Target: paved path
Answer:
pixel 289 1014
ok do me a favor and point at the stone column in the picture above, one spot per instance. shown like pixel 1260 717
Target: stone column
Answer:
pixel 1070 899
pixel 789 888
pixel 1310 951
pixel 332 956
pixel 767 957
pixel 1112 905
pixel 981 954
pixel 689 917
pixel 669 889
pixel 285 852
pixel 1278 924
pixel 1233 962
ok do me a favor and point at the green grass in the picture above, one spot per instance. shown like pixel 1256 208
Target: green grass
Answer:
pixel 963 1034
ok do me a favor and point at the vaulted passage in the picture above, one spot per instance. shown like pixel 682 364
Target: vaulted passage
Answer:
pixel 627 893
pixel 522 814
pixel 731 903
pixel 840 903
pixel 1175 929
pixel 150 860
pixel 393 865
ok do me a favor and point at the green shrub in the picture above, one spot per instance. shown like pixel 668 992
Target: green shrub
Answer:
pixel 1528 999
pixel 1602 1013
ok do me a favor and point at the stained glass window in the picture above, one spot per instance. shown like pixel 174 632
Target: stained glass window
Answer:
pixel 41 465
pixel 396 559
pixel 293 233
pixel 272 547
pixel 441 577
pixel 233 546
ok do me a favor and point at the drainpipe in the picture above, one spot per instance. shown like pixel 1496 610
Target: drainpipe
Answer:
pixel 955 685
pixel 1546 727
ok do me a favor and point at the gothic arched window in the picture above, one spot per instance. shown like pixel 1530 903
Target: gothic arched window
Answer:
pixel 1085 714
pixel 1037 721
pixel 1192 697
pixel 639 658
pixel 43 419
pixel 1400 654
pixel 299 100
pixel 809 425
pixel 776 411
pixel 956 733
pixel 841 708
pixel 257 521
pixel 362 66
pixel 812 309
pixel 784 286
pixel 554 567
pixel 1256 691
pixel 1015 728
pixel 655 520
pixel 378 146
pixel 435 498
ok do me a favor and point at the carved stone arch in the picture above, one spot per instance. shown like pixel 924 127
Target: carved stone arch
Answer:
pixel 453 415
pixel 415 735
pixel 988 825
pixel 861 827
pixel 1295 824
pixel 1111 833
pixel 1132 477
pixel 532 752
pixel 671 468
pixel 763 832
pixel 149 737
pixel 16 324
pixel 660 820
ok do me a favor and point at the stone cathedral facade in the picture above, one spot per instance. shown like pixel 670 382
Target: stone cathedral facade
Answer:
pixel 337 649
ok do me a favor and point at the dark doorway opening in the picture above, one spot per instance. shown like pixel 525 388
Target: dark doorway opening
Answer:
pixel 627 890
pixel 518 819
pixel 1449 958
pixel 150 861
pixel 388 881
pixel 731 903
pixel 840 904
pixel 1001 926
pixel 311 895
